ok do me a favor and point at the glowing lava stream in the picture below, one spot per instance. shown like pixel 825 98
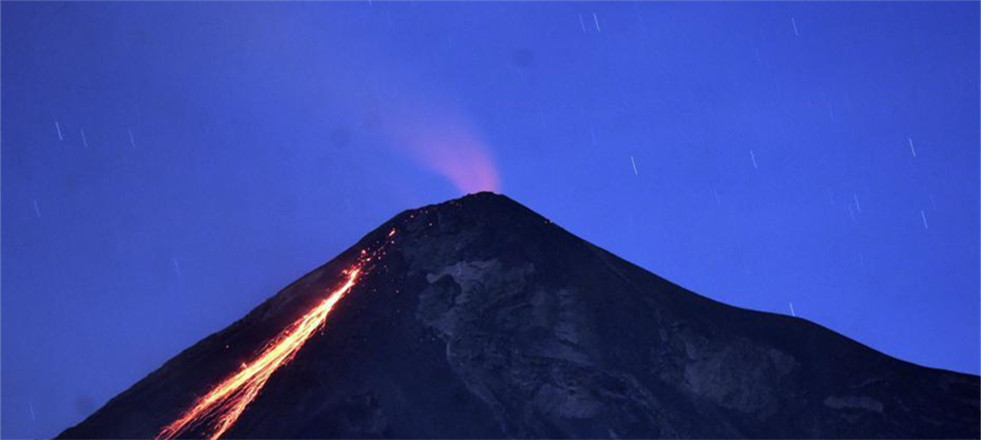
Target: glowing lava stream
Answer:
pixel 225 402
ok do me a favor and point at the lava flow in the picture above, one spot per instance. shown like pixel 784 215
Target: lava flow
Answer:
pixel 226 401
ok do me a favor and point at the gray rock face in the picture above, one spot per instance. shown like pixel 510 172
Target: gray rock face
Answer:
pixel 486 320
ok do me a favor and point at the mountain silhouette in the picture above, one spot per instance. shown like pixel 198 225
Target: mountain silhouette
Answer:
pixel 478 318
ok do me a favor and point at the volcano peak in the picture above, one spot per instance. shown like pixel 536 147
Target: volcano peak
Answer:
pixel 477 317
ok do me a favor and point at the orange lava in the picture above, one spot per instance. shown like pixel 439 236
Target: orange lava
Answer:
pixel 221 407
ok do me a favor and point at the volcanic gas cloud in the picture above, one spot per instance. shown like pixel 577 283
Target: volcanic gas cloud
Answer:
pixel 441 139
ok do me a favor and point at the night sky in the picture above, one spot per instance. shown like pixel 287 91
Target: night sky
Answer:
pixel 168 166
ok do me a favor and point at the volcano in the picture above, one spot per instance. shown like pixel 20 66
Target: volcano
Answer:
pixel 478 318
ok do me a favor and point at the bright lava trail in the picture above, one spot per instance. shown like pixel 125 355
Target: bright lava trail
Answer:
pixel 226 401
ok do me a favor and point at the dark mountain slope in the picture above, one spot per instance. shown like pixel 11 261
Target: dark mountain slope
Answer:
pixel 486 320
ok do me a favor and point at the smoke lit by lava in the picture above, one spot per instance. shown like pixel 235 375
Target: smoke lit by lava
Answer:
pixel 440 137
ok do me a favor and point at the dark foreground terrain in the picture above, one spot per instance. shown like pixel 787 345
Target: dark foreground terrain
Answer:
pixel 486 320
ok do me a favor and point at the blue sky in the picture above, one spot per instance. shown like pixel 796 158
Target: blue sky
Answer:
pixel 824 154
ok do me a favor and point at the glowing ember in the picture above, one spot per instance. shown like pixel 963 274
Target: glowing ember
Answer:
pixel 225 402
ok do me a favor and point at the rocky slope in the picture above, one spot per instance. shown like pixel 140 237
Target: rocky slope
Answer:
pixel 486 320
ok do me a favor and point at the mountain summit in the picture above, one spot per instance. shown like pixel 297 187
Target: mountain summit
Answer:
pixel 480 318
